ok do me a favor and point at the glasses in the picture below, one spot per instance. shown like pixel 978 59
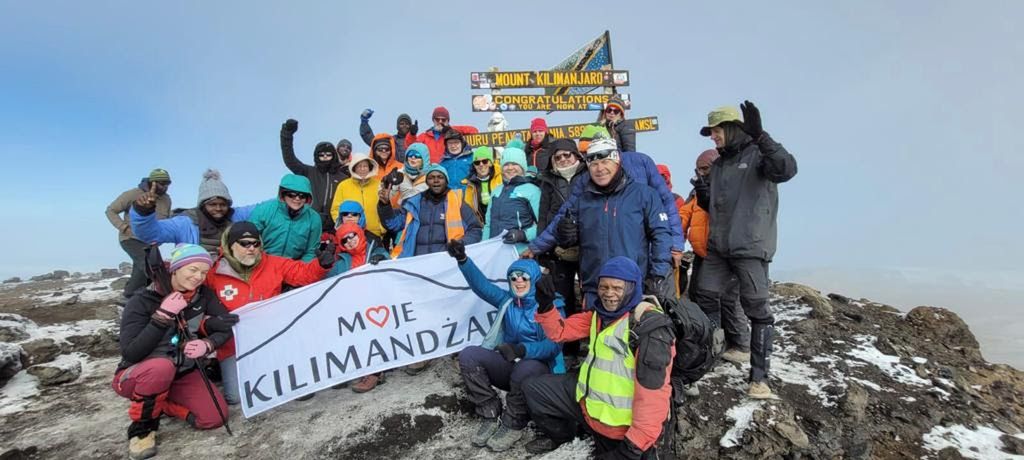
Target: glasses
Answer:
pixel 296 195
pixel 441 120
pixel 562 156
pixel 249 243
pixel 382 148
pixel 345 239
pixel 413 155
pixel 519 276
pixel 481 162
pixel 350 214
pixel 613 111
pixel 325 154
pixel 598 156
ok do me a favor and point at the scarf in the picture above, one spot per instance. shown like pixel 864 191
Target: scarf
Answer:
pixel 567 172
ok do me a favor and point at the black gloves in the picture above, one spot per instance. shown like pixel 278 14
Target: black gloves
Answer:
pixel 653 285
pixel 393 178
pixel 545 293
pixel 457 249
pixel 325 255
pixel 220 323
pixel 514 235
pixel 751 120
pixel 702 189
pixel 567 234
pixel 511 352
pixel 376 258
pixel 365 116
pixel 289 127
pixel 625 451
pixel 415 128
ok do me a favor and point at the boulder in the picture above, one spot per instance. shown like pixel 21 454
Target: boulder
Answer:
pixel 1012 444
pixel 13 328
pixel 125 268
pixel 119 284
pixel 109 273
pixel 13 279
pixel 12 361
pixel 52 276
pixel 102 344
pixel 943 326
pixel 71 300
pixel 41 351
pixel 793 290
pixel 57 372
pixel 855 402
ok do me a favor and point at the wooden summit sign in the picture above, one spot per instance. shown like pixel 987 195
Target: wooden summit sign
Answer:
pixel 542 102
pixel 548 79
pixel 500 138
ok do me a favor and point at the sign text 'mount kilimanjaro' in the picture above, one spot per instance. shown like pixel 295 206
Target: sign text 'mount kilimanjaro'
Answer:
pixel 548 79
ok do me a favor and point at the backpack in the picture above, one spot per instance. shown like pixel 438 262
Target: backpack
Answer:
pixel 698 343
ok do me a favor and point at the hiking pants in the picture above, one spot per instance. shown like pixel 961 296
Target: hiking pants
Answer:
pixel 483 368
pixel 752 273
pixel 154 389
pixel 137 251
pixel 734 320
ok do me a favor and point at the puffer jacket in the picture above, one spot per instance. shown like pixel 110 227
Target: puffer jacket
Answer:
pixel 286 236
pixel 518 325
pixel 745 197
pixel 362 190
pixel 391 164
pixel 434 141
pixel 142 338
pixel 695 225
pixel 538 156
pixel 458 167
pixel 324 181
pixel 513 205
pixel 427 230
pixel 555 189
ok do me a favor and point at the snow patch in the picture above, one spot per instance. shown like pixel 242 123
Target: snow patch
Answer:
pixel 890 365
pixel 743 415
pixel 866 383
pixel 88 291
pixel 982 443
pixel 578 449
pixel 61 332
pixel 14 396
pixel 919 360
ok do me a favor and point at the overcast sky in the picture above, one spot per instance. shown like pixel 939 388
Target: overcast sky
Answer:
pixel 904 116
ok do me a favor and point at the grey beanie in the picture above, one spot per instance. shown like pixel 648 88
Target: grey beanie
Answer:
pixel 212 187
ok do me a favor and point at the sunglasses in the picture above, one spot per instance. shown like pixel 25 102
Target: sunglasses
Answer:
pixel 350 214
pixel 413 155
pixel 325 154
pixel 249 243
pixel 482 162
pixel 613 110
pixel 382 148
pixel 294 195
pixel 519 276
pixel 347 238
pixel 562 156
pixel 598 156
pixel 441 120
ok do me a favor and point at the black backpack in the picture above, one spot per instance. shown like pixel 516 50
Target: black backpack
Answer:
pixel 698 343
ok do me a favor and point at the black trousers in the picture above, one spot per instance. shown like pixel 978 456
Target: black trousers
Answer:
pixel 137 251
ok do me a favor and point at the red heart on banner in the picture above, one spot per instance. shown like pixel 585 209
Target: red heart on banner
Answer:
pixel 378 315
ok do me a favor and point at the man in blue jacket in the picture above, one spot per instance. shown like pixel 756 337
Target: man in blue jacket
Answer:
pixel 617 216
pixel 638 167
pixel 202 225
pixel 524 352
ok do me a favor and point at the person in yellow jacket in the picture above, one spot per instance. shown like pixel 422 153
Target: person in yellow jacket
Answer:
pixel 362 187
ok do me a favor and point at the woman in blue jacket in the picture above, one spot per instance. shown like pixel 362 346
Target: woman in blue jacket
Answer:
pixel 524 351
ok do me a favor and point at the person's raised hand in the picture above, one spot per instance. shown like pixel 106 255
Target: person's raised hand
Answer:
pixel 365 116
pixel 173 304
pixel 415 128
pixel 751 120
pixel 289 127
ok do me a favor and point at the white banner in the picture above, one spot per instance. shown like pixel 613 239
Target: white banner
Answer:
pixel 362 322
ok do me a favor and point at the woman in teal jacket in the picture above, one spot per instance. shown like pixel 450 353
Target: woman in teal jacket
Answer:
pixel 515 203
pixel 289 225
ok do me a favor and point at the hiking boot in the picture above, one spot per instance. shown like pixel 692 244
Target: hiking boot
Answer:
pixel 737 356
pixel 540 445
pixel 306 397
pixel 484 432
pixel 691 390
pixel 140 447
pixel 339 386
pixel 504 438
pixel 416 368
pixel 367 383
pixel 760 390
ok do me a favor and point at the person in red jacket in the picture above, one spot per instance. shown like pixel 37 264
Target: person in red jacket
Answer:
pixel 622 393
pixel 244 273
pixel 434 137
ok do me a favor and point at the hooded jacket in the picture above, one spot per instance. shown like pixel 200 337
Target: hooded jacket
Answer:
pixel 554 188
pixel 745 195
pixel 284 234
pixel 627 220
pixel 260 282
pixel 182 228
pixel 458 165
pixel 434 140
pixel 358 256
pixel 142 338
pixel 391 163
pixel 323 178
pixel 653 349
pixel 366 133
pixel 640 168
pixel 518 325
pixel 362 190
pixel 514 205
pixel 117 210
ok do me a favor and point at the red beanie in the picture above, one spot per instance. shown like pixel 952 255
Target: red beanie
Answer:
pixel 538 124
pixel 440 112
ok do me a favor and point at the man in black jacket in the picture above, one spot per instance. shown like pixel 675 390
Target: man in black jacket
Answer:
pixel 323 176
pixel 403 125
pixel 743 203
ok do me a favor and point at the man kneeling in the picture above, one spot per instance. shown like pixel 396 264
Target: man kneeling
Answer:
pixel 622 392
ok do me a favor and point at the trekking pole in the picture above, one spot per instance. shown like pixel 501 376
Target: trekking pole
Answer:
pixel 201 367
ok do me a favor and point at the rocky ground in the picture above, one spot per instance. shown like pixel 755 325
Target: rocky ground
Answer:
pixel 857 379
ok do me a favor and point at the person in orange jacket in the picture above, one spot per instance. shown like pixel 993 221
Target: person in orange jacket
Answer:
pixel 695 226
pixel 622 393
pixel 244 274
pixel 434 137
pixel 382 150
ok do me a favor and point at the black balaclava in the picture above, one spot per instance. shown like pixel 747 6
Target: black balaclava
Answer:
pixel 329 165
pixel 406 117
pixel 735 139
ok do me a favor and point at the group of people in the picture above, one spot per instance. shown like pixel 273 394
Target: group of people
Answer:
pixel 588 341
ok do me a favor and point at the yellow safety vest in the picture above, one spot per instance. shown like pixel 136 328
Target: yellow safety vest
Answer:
pixel 607 375
pixel 454 229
